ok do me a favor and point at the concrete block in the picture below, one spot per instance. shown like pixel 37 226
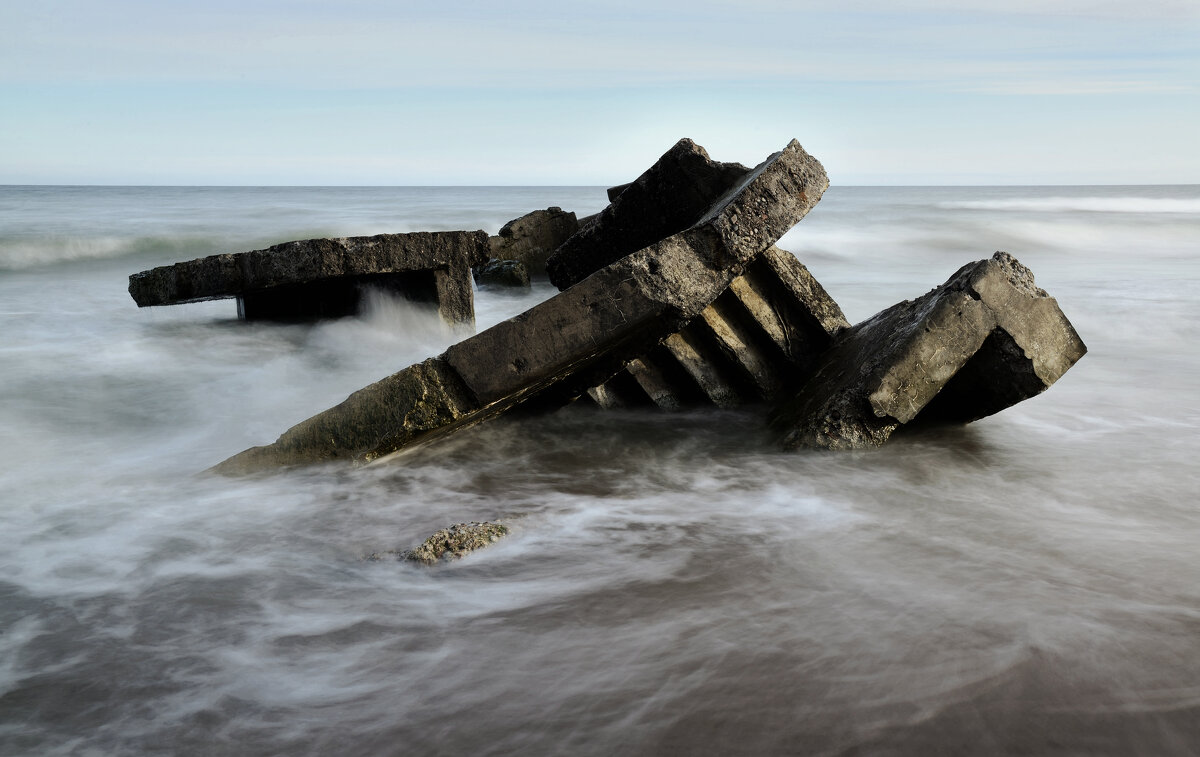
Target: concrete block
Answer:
pixel 983 341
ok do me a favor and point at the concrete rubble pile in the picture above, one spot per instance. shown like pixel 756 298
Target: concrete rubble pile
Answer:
pixel 675 295
pixel 578 339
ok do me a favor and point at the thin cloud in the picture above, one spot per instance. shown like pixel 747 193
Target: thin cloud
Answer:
pixel 368 45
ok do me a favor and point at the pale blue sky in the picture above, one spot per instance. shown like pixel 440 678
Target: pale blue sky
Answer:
pixel 373 92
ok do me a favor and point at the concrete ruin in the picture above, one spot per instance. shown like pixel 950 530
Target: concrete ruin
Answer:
pixel 531 238
pixel 707 311
pixel 764 332
pixel 576 340
pixel 761 336
pixel 666 199
pixel 983 341
pixel 324 278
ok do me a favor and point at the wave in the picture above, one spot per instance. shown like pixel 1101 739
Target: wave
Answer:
pixel 1082 204
pixel 17 253
pixel 30 250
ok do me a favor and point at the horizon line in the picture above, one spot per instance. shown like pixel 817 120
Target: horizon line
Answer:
pixel 564 186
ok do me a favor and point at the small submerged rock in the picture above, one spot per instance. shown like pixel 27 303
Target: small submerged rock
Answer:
pixel 505 273
pixel 450 543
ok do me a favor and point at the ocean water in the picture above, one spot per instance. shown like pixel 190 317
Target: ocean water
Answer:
pixel 674 583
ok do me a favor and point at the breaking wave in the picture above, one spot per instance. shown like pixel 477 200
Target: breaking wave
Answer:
pixel 45 226
pixel 20 253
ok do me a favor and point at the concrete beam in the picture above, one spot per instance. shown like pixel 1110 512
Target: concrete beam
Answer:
pixel 324 277
pixel 761 336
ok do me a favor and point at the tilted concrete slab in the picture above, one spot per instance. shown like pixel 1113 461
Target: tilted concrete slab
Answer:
pixel 573 341
pixel 760 337
pixel 983 341
pixel 669 197
pixel 323 277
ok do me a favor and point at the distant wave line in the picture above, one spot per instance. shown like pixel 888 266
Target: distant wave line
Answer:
pixel 1082 204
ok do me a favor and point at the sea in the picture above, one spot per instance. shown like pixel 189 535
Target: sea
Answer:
pixel 673 584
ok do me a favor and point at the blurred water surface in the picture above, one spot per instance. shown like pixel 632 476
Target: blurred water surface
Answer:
pixel 674 584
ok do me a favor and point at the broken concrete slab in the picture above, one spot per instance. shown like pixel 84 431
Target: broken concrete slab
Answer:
pixel 531 238
pixel 316 278
pixel 503 273
pixel 983 341
pixel 763 334
pixel 575 340
pixel 669 197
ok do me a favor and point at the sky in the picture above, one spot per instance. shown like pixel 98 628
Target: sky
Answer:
pixel 374 92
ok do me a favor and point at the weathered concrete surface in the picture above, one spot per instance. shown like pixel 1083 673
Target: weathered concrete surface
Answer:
pixel 451 543
pixel 317 277
pixel 531 238
pixel 762 335
pixel 370 423
pixel 577 339
pixel 453 294
pixel 504 273
pixel 983 341
pixel 669 197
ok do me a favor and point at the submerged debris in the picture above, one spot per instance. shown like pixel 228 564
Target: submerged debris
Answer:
pixel 451 543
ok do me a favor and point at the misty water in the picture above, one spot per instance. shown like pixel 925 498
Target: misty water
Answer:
pixel 673 583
